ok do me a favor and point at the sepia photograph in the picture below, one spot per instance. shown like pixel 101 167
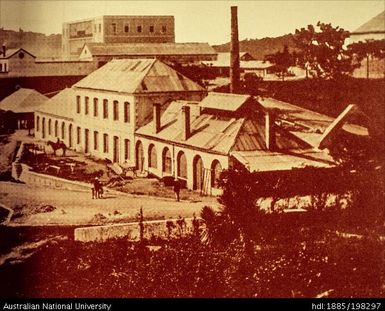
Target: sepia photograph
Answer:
pixel 192 149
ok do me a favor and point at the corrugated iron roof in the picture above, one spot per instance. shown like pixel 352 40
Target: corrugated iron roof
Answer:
pixel 255 64
pixel 307 125
pixel 262 160
pixel 60 105
pixel 209 132
pixel 224 101
pixel 223 60
pixel 23 100
pixel 149 49
pixel 376 24
pixel 137 76
pixel 214 133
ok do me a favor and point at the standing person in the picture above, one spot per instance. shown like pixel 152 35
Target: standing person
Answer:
pixel 176 189
pixel 95 189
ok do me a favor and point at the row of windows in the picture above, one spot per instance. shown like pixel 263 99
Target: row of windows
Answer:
pixel 106 143
pixel 126 106
pixel 55 130
pixel 139 28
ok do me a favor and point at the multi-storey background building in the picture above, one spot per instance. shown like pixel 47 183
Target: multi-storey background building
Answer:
pixel 116 29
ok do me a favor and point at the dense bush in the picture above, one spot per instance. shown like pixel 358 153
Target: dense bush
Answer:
pixel 184 268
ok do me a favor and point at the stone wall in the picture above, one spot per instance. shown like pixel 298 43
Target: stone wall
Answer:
pixel 156 228
pixel 37 179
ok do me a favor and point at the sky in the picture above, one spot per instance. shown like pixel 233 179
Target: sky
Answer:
pixel 195 21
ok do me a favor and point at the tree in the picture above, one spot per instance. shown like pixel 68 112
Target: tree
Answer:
pixel 282 61
pixel 322 50
pixel 367 50
pixel 251 83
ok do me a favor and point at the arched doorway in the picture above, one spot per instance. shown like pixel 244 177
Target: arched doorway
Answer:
pixel 152 156
pixel 70 136
pixel 182 165
pixel 43 128
pixel 197 173
pixel 166 161
pixel 216 169
pixel 139 156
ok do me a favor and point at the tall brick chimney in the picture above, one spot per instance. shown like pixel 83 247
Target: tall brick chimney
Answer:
pixel 234 52
pixel 156 116
pixel 4 49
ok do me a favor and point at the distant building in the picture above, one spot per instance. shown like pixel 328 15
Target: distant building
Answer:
pixel 22 103
pixel 183 53
pixel 221 65
pixel 21 63
pixel 116 29
pixel 374 29
pixel 15 60
pixel 100 113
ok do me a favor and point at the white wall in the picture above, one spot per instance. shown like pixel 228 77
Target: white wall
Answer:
pixel 207 158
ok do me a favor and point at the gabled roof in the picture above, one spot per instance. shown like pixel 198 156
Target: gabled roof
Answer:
pixel 264 160
pixel 305 124
pixel 376 24
pixel 148 49
pixel 137 76
pixel 210 133
pixel 217 134
pixel 23 100
pixel 223 60
pixel 224 101
pixel 255 64
pixel 60 105
pixel 10 52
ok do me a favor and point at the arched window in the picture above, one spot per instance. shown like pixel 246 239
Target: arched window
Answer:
pixel 152 156
pixel 182 165
pixel 63 129
pixel 37 124
pixel 49 127
pixel 166 161
pixel 216 170
pixel 56 128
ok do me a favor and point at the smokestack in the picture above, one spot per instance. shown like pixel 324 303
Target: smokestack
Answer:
pixel 4 49
pixel 186 122
pixel 234 52
pixel 156 116
pixel 270 131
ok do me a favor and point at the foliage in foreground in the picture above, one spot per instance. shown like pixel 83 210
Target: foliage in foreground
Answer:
pixel 301 267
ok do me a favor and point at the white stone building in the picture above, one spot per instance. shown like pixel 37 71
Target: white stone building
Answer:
pixel 99 114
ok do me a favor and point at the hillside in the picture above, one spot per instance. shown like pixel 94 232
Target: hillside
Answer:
pixel 260 47
pixel 38 44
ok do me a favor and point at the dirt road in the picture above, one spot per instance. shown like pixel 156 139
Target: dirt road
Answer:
pixel 78 208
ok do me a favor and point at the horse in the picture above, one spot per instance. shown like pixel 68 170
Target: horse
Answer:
pixel 58 145
pixel 97 190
